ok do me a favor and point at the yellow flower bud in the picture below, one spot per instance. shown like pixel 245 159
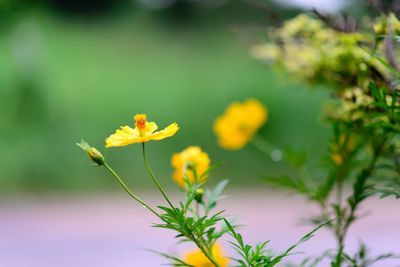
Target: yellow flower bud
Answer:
pixel 337 159
pixel 380 29
pixel 95 156
pixel 92 153
pixel 198 195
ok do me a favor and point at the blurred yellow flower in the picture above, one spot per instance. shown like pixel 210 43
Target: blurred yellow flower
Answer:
pixel 342 147
pixel 240 122
pixel 337 158
pixel 269 52
pixel 143 132
pixel 190 159
pixel 196 258
pixel 381 27
pixel 327 56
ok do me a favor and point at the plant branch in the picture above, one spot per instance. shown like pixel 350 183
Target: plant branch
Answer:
pixel 129 191
pixel 359 190
pixel 154 178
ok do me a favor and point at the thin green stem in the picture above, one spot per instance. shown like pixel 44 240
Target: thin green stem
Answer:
pixel 359 190
pixel 197 209
pixel 129 191
pixel 305 173
pixel 262 144
pixel 341 174
pixel 192 209
pixel 339 192
pixel 338 227
pixel 205 252
pixel 190 235
pixel 154 178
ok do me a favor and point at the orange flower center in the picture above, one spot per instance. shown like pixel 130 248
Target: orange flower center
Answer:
pixel 141 123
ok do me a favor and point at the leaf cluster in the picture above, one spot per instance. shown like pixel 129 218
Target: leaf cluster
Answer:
pixel 186 219
pixel 258 255
pixel 361 258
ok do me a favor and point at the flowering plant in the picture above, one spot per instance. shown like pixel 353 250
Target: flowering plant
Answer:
pixel 359 66
pixel 193 219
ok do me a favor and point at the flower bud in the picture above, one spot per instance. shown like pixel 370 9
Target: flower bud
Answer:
pixel 198 195
pixel 92 153
pixel 337 158
pixel 380 29
pixel 95 156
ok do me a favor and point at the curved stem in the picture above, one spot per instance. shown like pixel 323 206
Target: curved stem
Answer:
pixel 154 178
pixel 262 144
pixel 338 226
pixel 129 191
pixel 359 190
pixel 339 192
pixel 194 212
pixel 205 252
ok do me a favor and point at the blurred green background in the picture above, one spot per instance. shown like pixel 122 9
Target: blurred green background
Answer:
pixel 80 69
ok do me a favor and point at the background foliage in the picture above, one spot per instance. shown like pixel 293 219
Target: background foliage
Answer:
pixel 67 72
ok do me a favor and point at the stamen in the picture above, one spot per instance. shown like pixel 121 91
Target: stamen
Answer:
pixel 140 122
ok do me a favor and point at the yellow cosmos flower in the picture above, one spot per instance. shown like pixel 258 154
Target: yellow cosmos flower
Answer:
pixel 190 159
pixel 196 258
pixel 143 132
pixel 240 122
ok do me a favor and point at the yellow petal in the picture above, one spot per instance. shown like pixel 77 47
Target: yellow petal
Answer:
pixel 167 132
pixel 196 158
pixel 240 122
pixel 144 131
pixel 198 259
pixel 151 127
pixel 123 137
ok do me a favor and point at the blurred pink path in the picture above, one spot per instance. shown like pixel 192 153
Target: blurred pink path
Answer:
pixel 111 230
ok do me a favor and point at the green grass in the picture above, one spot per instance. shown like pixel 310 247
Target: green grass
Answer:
pixel 90 78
